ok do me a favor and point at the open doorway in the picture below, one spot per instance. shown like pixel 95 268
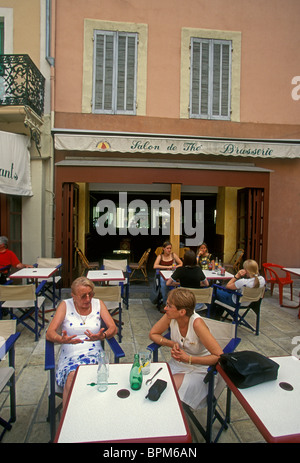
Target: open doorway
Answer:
pixel 99 247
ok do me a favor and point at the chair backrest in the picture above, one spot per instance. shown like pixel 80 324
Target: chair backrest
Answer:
pixel 203 295
pixel 143 260
pixel 46 262
pixel 271 274
pixel 7 327
pixel 108 293
pixel 222 332
pixel 112 264
pixel 252 294
pixel 82 257
pixel 17 293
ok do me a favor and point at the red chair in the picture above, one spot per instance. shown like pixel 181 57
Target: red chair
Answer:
pixel 273 278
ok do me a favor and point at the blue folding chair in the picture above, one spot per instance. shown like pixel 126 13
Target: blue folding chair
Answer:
pixel 119 264
pixel 25 304
pixel 52 289
pixel 224 333
pixel 54 390
pixel 4 274
pixel 240 305
pixel 111 296
pixel 7 373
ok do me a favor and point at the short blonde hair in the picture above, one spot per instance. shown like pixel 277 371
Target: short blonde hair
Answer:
pixel 81 281
pixel 183 298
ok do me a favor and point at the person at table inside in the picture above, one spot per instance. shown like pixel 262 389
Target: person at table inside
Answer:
pixel 204 257
pixel 8 258
pixel 167 260
pixel 248 276
pixel 193 347
pixel 189 275
pixel 78 321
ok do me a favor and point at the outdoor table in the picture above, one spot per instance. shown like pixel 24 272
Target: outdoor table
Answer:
pixel 38 273
pixel 294 271
pixel 93 416
pixel 34 273
pixel 105 276
pixel 273 408
pixel 209 274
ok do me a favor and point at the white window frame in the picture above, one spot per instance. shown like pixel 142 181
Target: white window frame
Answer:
pixel 114 110
pixel 210 115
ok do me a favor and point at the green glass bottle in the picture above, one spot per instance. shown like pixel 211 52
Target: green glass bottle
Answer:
pixel 136 375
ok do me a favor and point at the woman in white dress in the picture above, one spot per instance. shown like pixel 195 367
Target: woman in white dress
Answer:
pixel 193 347
pixel 78 320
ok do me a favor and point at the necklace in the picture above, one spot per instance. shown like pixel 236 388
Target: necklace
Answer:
pixel 83 317
pixel 83 320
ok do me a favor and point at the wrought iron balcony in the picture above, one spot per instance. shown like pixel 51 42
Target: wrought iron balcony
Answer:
pixel 21 83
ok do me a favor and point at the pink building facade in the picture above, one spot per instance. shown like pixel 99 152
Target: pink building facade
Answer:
pixel 183 101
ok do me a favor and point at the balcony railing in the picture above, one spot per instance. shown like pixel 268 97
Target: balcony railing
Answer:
pixel 21 83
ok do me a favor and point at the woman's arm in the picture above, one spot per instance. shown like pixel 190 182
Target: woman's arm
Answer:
pixel 178 261
pixel 157 265
pixel 156 332
pixel 209 342
pixel 171 282
pixel 204 283
pixel 108 320
pixel 231 283
pixel 55 325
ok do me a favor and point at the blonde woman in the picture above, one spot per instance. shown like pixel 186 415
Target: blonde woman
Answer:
pixel 248 276
pixel 193 347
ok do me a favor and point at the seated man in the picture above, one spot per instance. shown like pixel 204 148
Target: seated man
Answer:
pixel 8 257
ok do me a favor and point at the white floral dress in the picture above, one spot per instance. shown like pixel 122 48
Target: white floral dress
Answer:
pixel 87 352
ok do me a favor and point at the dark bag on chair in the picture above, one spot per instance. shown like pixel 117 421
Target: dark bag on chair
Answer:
pixel 247 368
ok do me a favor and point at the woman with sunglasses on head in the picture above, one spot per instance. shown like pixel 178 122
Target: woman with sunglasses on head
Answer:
pixel 78 320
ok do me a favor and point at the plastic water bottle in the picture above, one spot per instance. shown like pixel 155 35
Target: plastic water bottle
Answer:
pixel 136 375
pixel 102 372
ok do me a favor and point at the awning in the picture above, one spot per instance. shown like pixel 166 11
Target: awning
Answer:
pixel 175 164
pixel 185 146
pixel 15 176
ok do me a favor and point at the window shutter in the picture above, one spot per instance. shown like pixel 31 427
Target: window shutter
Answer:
pixel 210 79
pixel 115 72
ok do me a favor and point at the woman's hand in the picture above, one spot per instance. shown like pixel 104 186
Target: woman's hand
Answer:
pixel 179 354
pixel 95 336
pixel 241 273
pixel 65 339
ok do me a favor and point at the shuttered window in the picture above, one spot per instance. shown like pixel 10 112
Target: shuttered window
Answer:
pixel 210 86
pixel 115 64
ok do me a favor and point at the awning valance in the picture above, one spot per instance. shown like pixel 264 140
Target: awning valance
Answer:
pixel 15 176
pixel 185 146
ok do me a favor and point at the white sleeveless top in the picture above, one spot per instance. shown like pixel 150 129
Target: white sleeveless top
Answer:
pixel 191 344
pixel 72 355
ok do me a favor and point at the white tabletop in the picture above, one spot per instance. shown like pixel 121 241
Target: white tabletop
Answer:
pixel 105 275
pixel 38 272
pixel 93 416
pixel 209 274
pixel 295 271
pixel 274 410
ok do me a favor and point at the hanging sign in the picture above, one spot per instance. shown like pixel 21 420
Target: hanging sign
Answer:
pixel 15 176
pixel 175 146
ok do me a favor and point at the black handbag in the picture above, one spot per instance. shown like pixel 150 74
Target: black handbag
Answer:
pixel 247 368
